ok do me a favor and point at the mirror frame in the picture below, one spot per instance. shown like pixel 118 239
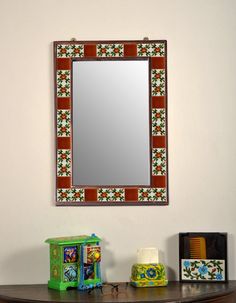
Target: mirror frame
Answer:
pixel 65 52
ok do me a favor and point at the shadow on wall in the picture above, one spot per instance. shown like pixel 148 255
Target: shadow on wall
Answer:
pixel 172 257
pixel 26 266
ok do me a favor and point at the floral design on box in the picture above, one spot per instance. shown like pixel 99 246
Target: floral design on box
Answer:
pixel 158 82
pixel 151 50
pixel 195 269
pixel 63 123
pixel 63 162
pixel 152 194
pixel 110 50
pixel 111 194
pixel 70 50
pixel 63 83
pixel 70 273
pixel 70 195
pixel 70 254
pixel 158 161
pixel 158 122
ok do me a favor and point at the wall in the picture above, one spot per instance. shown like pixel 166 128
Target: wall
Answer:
pixel 202 147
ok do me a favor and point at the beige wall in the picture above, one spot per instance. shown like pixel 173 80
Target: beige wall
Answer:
pixel 202 123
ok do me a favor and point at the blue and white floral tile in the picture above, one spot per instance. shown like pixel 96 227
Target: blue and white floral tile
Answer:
pixel 111 194
pixel 70 272
pixel 152 194
pixel 202 270
pixel 110 50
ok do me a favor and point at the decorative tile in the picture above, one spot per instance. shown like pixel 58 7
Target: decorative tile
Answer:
pixel 158 82
pixel 70 50
pixel 63 162
pixel 202 270
pixel 151 49
pixel 158 122
pixel 63 123
pixel 63 83
pixel 152 194
pixel 70 254
pixel 110 50
pixel 111 194
pixel 70 195
pixel 70 273
pixel 159 162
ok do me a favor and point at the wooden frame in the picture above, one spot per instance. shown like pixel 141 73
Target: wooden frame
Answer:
pixel 155 51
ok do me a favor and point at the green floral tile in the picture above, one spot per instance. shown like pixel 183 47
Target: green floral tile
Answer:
pixel 63 83
pixel 63 123
pixel 70 195
pixel 202 270
pixel 152 194
pixel 151 50
pixel 63 162
pixel 158 122
pixel 159 162
pixel 110 50
pixel 158 82
pixel 70 50
pixel 111 194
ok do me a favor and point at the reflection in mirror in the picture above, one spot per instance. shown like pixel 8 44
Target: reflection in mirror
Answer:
pixel 111 139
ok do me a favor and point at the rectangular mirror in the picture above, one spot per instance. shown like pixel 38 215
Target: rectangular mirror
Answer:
pixel 111 105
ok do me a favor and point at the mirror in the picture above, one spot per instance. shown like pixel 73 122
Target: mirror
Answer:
pixel 111 127
pixel 111 140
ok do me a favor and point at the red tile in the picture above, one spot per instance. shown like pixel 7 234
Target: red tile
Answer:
pixel 91 195
pixel 63 103
pixel 131 194
pixel 130 50
pixel 63 63
pixel 158 141
pixel 158 102
pixel 158 62
pixel 63 142
pixel 63 182
pixel 158 181
pixel 90 50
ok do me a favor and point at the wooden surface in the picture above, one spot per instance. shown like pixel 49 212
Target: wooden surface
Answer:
pixel 174 292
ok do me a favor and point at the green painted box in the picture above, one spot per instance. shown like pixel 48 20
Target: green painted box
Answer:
pixel 75 262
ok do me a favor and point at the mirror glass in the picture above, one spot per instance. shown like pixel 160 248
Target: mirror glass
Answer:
pixel 111 129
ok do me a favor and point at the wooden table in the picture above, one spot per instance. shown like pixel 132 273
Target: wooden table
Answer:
pixel 174 292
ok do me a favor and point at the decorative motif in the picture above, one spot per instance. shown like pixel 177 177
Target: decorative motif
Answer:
pixel 70 195
pixel 63 83
pixel 151 50
pixel 55 272
pixel 152 194
pixel 158 122
pixel 63 123
pixel 213 270
pixel 110 50
pixel 54 252
pixel 70 254
pixel 159 161
pixel 70 50
pixel 70 273
pixel 146 275
pixel 92 254
pixel 111 194
pixel 63 162
pixel 158 82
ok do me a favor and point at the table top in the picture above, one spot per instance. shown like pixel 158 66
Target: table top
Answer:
pixel 173 292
